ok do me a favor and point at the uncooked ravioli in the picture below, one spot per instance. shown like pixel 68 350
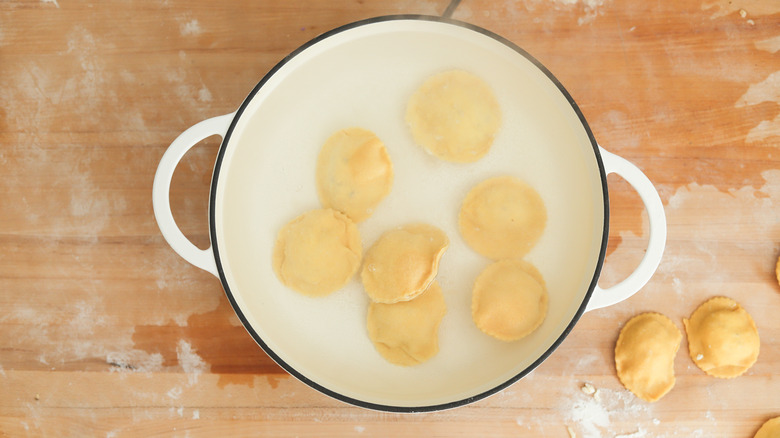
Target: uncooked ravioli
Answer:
pixel 509 300
pixel 317 252
pixel 502 217
pixel 406 333
pixel 644 355
pixel 722 338
pixel 403 262
pixel 354 173
pixel 770 429
pixel 454 116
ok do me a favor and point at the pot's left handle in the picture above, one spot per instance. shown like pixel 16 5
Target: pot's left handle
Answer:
pixel 203 259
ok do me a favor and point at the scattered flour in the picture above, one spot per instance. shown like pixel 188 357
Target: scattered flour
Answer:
pixel 721 8
pixel 767 90
pixel 691 249
pixel 204 95
pixel 677 285
pixel 771 45
pixel 592 417
pixel 191 27
pixel 638 434
pixel 360 429
pixel 175 392
pixel 135 361
pixel 190 362
pixel 590 9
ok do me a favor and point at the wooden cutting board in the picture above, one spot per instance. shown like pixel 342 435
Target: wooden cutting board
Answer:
pixel 105 331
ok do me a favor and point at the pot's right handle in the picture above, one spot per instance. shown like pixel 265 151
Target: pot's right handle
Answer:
pixel 204 259
pixel 657 242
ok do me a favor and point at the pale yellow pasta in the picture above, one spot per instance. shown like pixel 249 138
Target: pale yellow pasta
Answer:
pixel 317 252
pixel 454 116
pixel 770 429
pixel 502 217
pixel 354 173
pixel 722 338
pixel 406 333
pixel 403 262
pixel 644 355
pixel 509 300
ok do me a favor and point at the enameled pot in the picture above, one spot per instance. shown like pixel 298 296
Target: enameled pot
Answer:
pixel 362 74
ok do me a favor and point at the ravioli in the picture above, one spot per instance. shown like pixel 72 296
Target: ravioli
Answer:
pixel 317 253
pixel 509 300
pixel 403 262
pixel 770 429
pixel 644 355
pixel 406 333
pixel 722 338
pixel 354 173
pixel 502 217
pixel 455 116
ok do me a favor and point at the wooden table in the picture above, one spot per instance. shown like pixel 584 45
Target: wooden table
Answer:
pixel 105 331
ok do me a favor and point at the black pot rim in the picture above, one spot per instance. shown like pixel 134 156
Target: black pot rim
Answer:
pixel 351 400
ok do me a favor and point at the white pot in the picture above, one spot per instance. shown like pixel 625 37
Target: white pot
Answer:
pixel 361 75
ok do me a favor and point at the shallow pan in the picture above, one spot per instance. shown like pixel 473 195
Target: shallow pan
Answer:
pixel 362 74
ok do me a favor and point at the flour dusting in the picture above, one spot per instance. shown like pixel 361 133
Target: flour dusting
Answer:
pixel 764 130
pixel 767 90
pixel 190 362
pixel 756 217
pixel 175 392
pixel 593 417
pixel 771 45
pixel 134 361
pixel 588 10
pixel 638 434
pixel 191 27
pixel 722 8
pixel 204 95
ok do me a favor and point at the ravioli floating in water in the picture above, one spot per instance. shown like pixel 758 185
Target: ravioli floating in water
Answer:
pixel 354 173
pixel 454 116
pixel 722 338
pixel 509 300
pixel 644 355
pixel 403 262
pixel 317 252
pixel 502 218
pixel 406 333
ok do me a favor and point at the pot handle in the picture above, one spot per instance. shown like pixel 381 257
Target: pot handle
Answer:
pixel 655 247
pixel 203 259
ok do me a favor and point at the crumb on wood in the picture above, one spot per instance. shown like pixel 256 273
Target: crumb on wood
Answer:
pixel 125 366
pixel 587 388
pixel 571 432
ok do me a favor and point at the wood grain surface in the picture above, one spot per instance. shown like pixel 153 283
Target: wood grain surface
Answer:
pixel 105 331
